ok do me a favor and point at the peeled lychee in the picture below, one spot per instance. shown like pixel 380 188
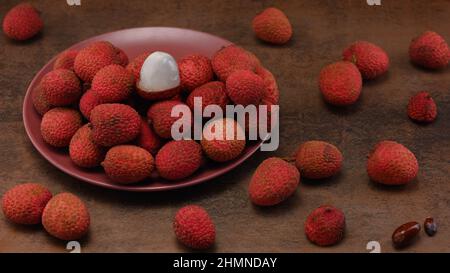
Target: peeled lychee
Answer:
pixel 340 83
pixel 271 94
pixel 371 60
pixel 160 117
pixel 318 159
pixel 223 139
pixel 83 151
pixel 272 26
pixel 148 139
pixel 114 123
pixel 40 103
pixel 65 59
pixel 94 57
pixel 61 87
pixel 88 101
pixel 422 107
pixel 113 83
pixel 58 126
pixel 212 93
pixel 273 182
pixel 178 159
pixel 245 87
pixel 195 70
pixel 126 164
pixel 22 22
pixel 430 50
pixel 194 228
pixel 66 217
pixel 159 77
pixel 24 203
pixel 325 226
pixel 230 59
pixel 391 163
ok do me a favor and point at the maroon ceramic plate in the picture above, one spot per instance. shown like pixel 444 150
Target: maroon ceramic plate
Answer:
pixel 176 41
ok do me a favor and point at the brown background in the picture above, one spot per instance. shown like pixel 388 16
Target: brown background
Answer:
pixel 133 222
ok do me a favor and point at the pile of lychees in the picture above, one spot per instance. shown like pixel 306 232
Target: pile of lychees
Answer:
pixel 117 114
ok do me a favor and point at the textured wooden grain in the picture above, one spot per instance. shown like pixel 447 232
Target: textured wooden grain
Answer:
pixel 131 222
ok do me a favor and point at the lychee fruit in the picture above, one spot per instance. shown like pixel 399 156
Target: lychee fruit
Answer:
pixel 94 57
pixel 159 115
pixel 325 226
pixel 230 59
pixel 245 87
pixel 273 26
pixel 65 59
pixel 194 228
pixel 159 77
pixel 61 87
pixel 253 59
pixel 391 163
pixel 422 108
pixel 273 182
pixel 40 103
pixel 223 139
pixel 271 93
pixel 371 60
pixel 58 126
pixel 212 93
pixel 123 58
pixel 195 70
pixel 126 164
pixel 66 217
pixel 318 159
pixel 113 83
pixel 114 123
pixel 22 22
pixel 178 159
pixel 83 151
pixel 340 83
pixel 24 203
pixel 136 64
pixel 148 139
pixel 429 50
pixel 88 101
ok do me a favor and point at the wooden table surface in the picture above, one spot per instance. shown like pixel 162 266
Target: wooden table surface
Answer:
pixel 141 222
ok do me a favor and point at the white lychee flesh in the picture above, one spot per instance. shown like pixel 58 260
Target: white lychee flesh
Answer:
pixel 159 73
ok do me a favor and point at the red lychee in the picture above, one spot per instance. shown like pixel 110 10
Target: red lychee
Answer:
pixel 430 50
pixel 422 108
pixel 325 226
pixel 272 26
pixel 178 159
pixel 340 83
pixel 371 60
pixel 194 228
pixel 245 87
pixel 273 182
pixel 22 22
pixel 391 163
pixel 24 203
pixel 195 70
